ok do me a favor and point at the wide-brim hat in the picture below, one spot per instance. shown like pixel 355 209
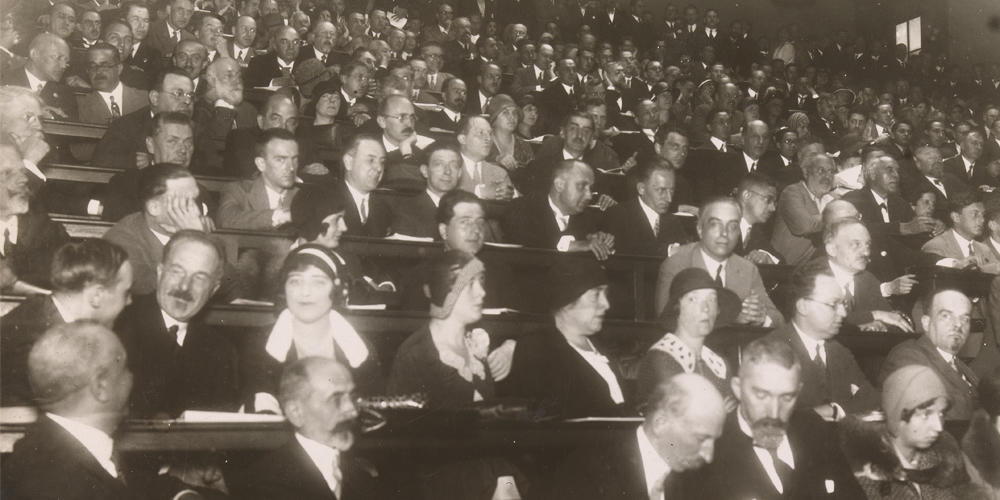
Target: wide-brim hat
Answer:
pixel 696 278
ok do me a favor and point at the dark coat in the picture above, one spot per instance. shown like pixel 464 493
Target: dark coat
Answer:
pixel 736 472
pixel 547 369
pixel 415 216
pixel 417 368
pixel 124 138
pixel 262 69
pixel 899 210
pixel 203 374
pixel 21 328
pixel 921 351
pixel 379 214
pixel 843 382
pixel 529 221
pixel 759 239
pixel 38 239
pixel 55 94
pixel 773 166
pixel 913 186
pixel 633 234
pixel 288 473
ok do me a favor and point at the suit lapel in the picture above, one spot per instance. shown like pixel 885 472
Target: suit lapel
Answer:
pixel 258 195
pixel 303 472
pixel 77 453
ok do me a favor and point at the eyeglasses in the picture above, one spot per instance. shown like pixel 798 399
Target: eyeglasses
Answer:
pixel 284 42
pixel 180 94
pixel 832 305
pixel 768 199
pixel 403 117
pixel 101 67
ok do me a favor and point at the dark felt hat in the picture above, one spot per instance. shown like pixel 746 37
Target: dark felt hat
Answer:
pixel 696 278
pixel 570 277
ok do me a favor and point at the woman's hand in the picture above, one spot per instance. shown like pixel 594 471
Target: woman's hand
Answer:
pixel 501 359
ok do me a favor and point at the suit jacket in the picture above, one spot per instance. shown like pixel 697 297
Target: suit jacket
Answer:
pixel 415 216
pixel 202 374
pixel 945 246
pixel 212 128
pixel 55 94
pixel 144 251
pixel 529 221
pixel 758 239
pixel 244 205
pixel 773 166
pixel 633 234
pixel 555 104
pixel 639 144
pixel 441 77
pixel 288 473
pixel 921 351
pixel 843 382
pixel 867 298
pixel 49 462
pixel 742 277
pixel 899 210
pixel 143 66
pixel 38 239
pixel 736 472
pixel 262 69
pixel 251 53
pixel 547 369
pixel 124 138
pixel 797 219
pixel 492 175
pixel 439 120
pixel 21 328
pixel 912 186
pixel 159 38
pixel 93 108
pixel 526 80
pixel 379 214
pixel 706 161
pixel 956 167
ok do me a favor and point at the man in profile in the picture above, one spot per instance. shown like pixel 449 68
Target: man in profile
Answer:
pixel 683 419
pixel 317 398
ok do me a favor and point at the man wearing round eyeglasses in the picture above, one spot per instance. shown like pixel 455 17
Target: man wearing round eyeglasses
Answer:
pixel 279 62
pixel 757 197
pixel 124 144
pixel 240 47
pixel 403 146
pixel 832 382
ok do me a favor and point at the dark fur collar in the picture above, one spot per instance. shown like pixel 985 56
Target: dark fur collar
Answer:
pixel 982 445
pixel 868 450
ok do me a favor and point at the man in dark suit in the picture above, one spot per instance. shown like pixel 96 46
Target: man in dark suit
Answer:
pixel 28 238
pixel 967 165
pixel 279 62
pixel 643 225
pixel 367 214
pixel 453 99
pixel 110 99
pixel 241 46
pixel 733 168
pixel 560 96
pixel 166 33
pixel 682 420
pixel 217 114
pixel 487 85
pixel 757 197
pixel 536 77
pixel 263 203
pixel 324 36
pixel 317 399
pixel 142 59
pixel 82 381
pixel 178 361
pixel 278 111
pixel 416 215
pixel 946 328
pixel 716 152
pixel 124 144
pixel 779 164
pixel 833 384
pixel 768 449
pixel 931 178
pixel 558 220
pixel 882 209
pixel 92 281
pixel 48 58
pixel 640 140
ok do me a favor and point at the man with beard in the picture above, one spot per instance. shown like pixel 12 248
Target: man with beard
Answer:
pixel 216 114
pixel 317 398
pixel 264 202
pixel 179 362
pixel 833 384
pixel 800 206
pixel 959 247
pixel 768 449
pixel 946 328
pixel 682 421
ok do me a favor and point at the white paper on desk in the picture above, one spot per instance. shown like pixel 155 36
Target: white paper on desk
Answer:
pixel 206 417
pixel 366 307
pixel 502 245
pixel 18 414
pixel 494 311
pixel 405 237
pixel 271 88
pixel 427 106
pixel 250 302
pixel 685 214
pixel 629 132
pixel 605 419
pixel 612 171
pixel 537 140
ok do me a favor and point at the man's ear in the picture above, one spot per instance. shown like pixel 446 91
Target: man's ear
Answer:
pixel 94 295
pixel 149 145
pixel 423 171
pixel 259 163
pixel 159 271
pixel 954 218
pixel 640 187
pixel 100 387
pixel 442 230
pixel 154 98
pixel 260 122
pixel 734 385
pixel 559 183
pixel 381 121
pixel 925 320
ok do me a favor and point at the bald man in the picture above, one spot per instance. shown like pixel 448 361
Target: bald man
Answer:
pixel 279 62
pixel 682 420
pixel 48 58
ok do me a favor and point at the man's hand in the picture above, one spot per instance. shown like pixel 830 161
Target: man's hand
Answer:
pixel 893 318
pixel 501 359
pixel 604 202
pixel 7 276
pixel 918 225
pixel 689 209
pixel 939 227
pixel 873 326
pixel 184 214
pixel 752 311
pixel 503 190
pixel 630 162
pixel 315 169
pixel 76 81
pixel 902 285
pixel 406 145
pixel 825 412
pixel 611 132
pixel 143 160
pixel 601 244
pixel 759 257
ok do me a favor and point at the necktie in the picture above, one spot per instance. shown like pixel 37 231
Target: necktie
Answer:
pixel 972 250
pixel 326 59
pixel 783 470
pixel 364 210
pixel 286 71
pixel 972 167
pixel 116 111
pixel 718 276
pixel 818 359
pixel 656 227
pixel 753 167
pixel 477 173
pixel 431 78
pixel 849 298
pixel 722 148
pixel 338 476
pixel 177 36
pixel 487 103
pixel 937 183
pixel 117 460
pixel 885 212
pixel 563 222
pixel 282 199
pixel 172 334
pixel 8 247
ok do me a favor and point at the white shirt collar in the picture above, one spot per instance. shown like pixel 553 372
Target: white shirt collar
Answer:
pixel 356 195
pixel 812 345
pixel 996 244
pixel 436 199
pixel 713 265
pixel 963 244
pixel 567 88
pixel 749 161
pixel 654 467
pixel 389 147
pixel 967 162
pixel 784 161
pixel 348 99
pixel 752 93
pixel 718 143
pixel 324 458
pixel 282 64
pixel 10 225
pixel 470 166
pixel 33 81
pixel 566 155
pixel 651 214
pixel 482 100
pixel 843 277
pixel 599 363
pixel 319 55
pixel 63 310
pixel 97 443
pixel 452 115
pixel 558 213
pixel 162 238
pixel 784 453
pixel 182 328
pixel 745 227
pixel 171 30
pixel 117 94
pixel 273 197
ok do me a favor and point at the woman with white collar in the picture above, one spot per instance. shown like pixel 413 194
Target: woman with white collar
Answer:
pixel 448 360
pixel 313 285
